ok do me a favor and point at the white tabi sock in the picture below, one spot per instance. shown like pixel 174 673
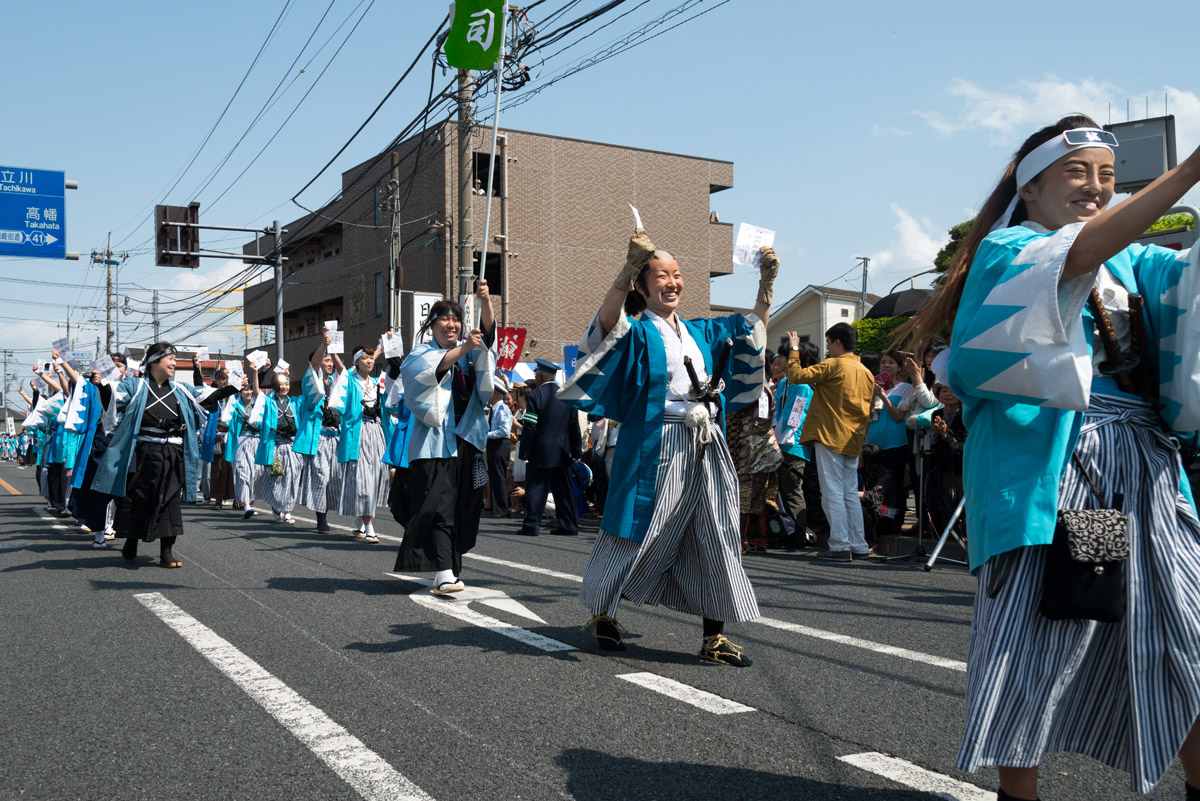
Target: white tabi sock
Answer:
pixel 443 577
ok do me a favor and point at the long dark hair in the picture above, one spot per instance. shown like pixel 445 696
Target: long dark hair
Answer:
pixel 940 310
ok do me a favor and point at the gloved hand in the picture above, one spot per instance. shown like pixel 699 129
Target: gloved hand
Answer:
pixel 768 269
pixel 641 249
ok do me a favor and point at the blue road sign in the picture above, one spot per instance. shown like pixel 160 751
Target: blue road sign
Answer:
pixel 33 220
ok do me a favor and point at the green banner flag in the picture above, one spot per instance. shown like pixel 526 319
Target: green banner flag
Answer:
pixel 475 34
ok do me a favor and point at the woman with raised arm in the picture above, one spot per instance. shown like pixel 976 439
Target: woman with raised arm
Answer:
pixel 53 457
pixel 279 482
pixel 447 383
pixel 246 472
pixel 154 456
pixel 360 483
pixel 317 440
pixel 1067 337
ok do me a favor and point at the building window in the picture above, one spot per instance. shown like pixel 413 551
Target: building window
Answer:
pixel 494 273
pixel 845 312
pixel 378 294
pixel 804 338
pixel 481 170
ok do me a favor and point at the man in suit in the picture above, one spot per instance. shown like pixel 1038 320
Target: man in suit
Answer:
pixel 550 441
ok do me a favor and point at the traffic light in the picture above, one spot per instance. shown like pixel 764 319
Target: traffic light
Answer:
pixel 173 238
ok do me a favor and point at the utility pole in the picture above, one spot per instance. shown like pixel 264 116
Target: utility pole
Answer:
pixel 7 355
pixel 112 326
pixel 862 310
pixel 154 315
pixel 395 270
pixel 466 92
pixel 278 253
pixel 504 230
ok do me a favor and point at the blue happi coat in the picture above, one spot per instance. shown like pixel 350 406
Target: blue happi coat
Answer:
pixel 308 416
pixel 83 418
pixel 265 455
pixel 434 429
pixel 114 467
pixel 625 379
pixel 1021 361
pixel 234 417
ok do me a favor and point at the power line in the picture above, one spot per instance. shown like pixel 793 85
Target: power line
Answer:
pixel 270 35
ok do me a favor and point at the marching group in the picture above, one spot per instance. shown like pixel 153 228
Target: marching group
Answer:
pixel 1072 359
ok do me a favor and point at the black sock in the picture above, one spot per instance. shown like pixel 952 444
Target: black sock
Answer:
pixel 713 627
pixel 1191 793
pixel 322 521
pixel 1003 796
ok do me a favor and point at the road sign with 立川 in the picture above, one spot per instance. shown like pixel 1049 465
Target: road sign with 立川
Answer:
pixel 33 219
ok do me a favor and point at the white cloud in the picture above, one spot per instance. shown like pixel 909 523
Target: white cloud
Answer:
pixel 201 278
pixel 1011 115
pixel 911 250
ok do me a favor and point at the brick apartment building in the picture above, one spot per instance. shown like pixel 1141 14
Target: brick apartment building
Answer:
pixel 568 225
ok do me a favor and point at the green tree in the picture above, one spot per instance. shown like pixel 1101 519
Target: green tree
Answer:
pixel 876 333
pixel 945 256
pixel 1183 220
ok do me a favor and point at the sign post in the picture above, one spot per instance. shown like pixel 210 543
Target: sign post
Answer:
pixel 33 220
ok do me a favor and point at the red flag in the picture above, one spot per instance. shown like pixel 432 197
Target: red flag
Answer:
pixel 511 344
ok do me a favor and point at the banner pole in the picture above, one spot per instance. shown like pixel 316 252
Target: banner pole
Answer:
pixel 487 214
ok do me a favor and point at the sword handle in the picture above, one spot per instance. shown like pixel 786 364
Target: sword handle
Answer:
pixel 695 379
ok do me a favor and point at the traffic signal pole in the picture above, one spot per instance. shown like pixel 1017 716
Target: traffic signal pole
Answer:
pixel 178 237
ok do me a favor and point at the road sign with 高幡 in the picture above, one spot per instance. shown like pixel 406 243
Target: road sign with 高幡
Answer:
pixel 33 219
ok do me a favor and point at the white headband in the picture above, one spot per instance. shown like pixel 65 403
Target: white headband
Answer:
pixel 1049 152
pixel 358 354
pixel 159 355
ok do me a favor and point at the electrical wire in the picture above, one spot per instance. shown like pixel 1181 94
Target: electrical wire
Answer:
pixel 270 35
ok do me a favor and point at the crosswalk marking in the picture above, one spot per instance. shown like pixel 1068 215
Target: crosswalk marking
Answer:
pixel 360 767
pixel 918 778
pixel 700 699
pixel 783 625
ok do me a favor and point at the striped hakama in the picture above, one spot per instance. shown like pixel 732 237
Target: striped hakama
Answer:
pixel 281 491
pixel 1125 693
pixel 318 469
pixel 691 558
pixel 361 486
pixel 246 473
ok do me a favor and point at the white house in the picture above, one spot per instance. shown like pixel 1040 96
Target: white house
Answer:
pixel 813 311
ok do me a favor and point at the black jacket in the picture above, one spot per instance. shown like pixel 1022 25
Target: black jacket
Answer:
pixel 550 434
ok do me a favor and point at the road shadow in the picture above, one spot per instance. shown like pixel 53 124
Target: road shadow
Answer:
pixel 597 776
pixel 414 636
pixel 940 599
pixel 330 585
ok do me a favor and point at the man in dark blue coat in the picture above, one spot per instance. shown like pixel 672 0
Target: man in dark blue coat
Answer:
pixel 550 442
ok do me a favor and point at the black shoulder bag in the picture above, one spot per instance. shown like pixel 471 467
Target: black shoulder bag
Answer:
pixel 1085 564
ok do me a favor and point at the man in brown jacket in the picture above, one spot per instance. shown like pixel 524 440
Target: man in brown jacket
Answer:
pixel 836 426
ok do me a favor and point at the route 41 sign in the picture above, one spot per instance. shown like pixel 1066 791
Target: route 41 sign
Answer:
pixel 33 218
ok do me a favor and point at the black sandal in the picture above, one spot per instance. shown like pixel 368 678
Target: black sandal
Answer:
pixel 167 559
pixel 719 649
pixel 607 632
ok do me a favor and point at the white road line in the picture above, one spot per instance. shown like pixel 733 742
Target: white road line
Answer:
pixel 880 648
pixel 918 778
pixel 53 521
pixel 796 628
pixel 346 755
pixel 339 527
pixel 890 650
pixel 527 568
pixel 686 693
pixel 468 615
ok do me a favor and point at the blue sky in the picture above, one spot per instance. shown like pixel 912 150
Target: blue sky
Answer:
pixel 855 130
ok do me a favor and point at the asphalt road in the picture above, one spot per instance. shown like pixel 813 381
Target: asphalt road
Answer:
pixel 279 663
